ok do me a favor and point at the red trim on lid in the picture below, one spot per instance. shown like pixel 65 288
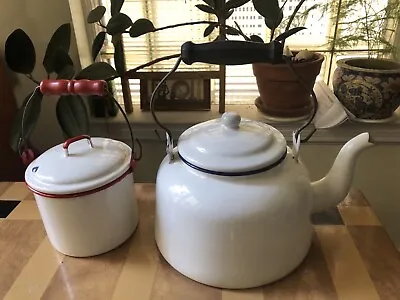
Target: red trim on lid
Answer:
pixel 84 193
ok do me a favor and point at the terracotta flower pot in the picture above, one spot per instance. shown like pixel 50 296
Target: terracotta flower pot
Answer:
pixel 281 93
pixel 368 88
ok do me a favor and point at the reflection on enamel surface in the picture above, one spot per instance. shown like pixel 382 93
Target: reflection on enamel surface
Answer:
pixel 201 149
pixel 179 191
pixel 182 195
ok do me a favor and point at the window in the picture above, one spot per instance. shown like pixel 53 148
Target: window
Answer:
pixel 241 86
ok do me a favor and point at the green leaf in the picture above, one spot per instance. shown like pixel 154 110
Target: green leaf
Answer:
pixel 206 8
pixel 61 39
pixel 210 3
pixel 97 71
pixel 19 52
pixel 119 57
pixel 98 44
pixel 284 3
pixel 256 38
pixel 273 23
pixel 140 27
pixel 241 31
pixel 96 14
pixel 103 106
pixel 116 6
pixel 209 29
pixel 72 115
pixel 235 3
pixel 112 108
pixel 118 24
pixel 228 13
pixel 68 72
pixel 32 113
pixel 267 8
pixel 232 31
pixel 60 60
pixel 289 33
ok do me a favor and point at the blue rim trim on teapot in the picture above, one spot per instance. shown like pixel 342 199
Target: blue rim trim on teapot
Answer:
pixel 242 173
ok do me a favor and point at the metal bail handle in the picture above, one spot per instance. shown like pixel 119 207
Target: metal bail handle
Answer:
pixel 85 87
pixel 169 139
pixel 68 142
pixel 296 146
pixel 169 147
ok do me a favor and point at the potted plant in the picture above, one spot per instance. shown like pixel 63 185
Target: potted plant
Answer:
pixel 289 100
pixel 368 87
pixel 71 109
pixel 20 57
pixel 282 94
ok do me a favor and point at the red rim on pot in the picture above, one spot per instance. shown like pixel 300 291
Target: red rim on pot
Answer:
pixel 81 166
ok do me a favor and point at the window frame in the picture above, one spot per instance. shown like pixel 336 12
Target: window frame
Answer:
pixel 91 31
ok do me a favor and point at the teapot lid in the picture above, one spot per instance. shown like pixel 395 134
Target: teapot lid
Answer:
pixel 232 146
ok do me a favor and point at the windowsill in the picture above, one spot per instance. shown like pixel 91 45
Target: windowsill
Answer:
pixel 143 125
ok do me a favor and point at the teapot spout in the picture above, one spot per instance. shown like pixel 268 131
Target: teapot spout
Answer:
pixel 332 189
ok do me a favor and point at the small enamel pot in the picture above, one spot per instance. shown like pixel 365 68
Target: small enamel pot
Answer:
pixel 84 193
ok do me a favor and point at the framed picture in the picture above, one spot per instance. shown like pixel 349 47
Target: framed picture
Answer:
pixel 181 91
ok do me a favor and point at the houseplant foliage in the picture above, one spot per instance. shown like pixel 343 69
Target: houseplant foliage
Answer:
pixel 20 57
pixel 71 111
pixel 368 87
pixel 221 11
pixel 120 23
pixel 291 99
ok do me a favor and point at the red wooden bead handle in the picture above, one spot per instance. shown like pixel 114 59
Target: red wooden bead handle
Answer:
pixel 83 87
pixel 68 142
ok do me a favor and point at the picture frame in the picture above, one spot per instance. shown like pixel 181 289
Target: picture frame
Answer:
pixel 182 91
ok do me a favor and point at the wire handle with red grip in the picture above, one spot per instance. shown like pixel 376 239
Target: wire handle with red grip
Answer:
pixel 75 139
pixel 83 87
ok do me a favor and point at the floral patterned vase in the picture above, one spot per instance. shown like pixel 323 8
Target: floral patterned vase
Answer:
pixel 368 88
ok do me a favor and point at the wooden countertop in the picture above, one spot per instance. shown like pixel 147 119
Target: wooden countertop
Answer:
pixel 351 257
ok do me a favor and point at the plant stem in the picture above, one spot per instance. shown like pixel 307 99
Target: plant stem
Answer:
pixel 197 23
pixel 283 5
pixel 241 32
pixel 184 24
pixel 273 31
pixel 131 72
pixel 334 40
pixel 293 14
pixel 272 34
pixel 102 25
pixel 366 28
pixel 32 79
pixel 361 19
pixel 222 68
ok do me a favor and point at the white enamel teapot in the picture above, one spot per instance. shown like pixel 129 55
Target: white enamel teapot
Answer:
pixel 233 202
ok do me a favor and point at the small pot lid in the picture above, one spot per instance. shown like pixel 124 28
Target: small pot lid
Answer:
pixel 86 164
pixel 231 144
